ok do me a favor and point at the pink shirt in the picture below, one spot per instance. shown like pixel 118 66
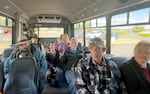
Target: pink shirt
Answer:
pixel 58 46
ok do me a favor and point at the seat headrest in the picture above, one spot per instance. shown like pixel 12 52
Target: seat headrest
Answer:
pixel 6 53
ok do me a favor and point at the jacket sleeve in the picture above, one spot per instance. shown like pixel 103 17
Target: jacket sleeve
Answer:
pixel 63 60
pixel 43 66
pixel 48 57
pixel 40 57
pixel 43 49
pixel 7 63
pixel 117 80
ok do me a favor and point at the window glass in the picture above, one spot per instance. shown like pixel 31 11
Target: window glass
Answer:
pixel 124 39
pixel 119 19
pixel 101 21
pixel 49 32
pixel 2 21
pixel 88 24
pixel 6 38
pixel 139 16
pixel 77 25
pixel 9 23
pixel 81 25
pixel 94 32
pixel 78 33
pixel 93 23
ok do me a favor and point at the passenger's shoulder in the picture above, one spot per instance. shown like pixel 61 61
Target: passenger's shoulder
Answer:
pixel 126 64
pixel 84 61
pixel 111 63
pixel 38 53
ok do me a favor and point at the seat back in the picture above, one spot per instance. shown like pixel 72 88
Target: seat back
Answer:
pixel 119 60
pixel 23 77
pixel 6 53
pixel 1 76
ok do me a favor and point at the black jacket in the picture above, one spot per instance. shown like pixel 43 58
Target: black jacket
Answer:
pixel 134 78
pixel 51 59
pixel 69 59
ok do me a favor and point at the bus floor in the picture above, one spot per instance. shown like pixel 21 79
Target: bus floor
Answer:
pixel 53 90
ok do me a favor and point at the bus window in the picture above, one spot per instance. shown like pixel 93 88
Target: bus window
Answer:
pixel 49 32
pixel 6 38
pixel 128 37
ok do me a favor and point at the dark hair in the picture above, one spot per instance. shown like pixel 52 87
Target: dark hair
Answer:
pixel 34 36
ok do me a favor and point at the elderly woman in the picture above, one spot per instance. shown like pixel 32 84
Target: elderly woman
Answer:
pixel 136 71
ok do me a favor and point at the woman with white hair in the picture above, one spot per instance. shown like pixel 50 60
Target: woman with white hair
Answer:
pixel 136 71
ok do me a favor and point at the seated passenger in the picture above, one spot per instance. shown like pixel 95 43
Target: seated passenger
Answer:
pixel 136 71
pixel 25 45
pixel 68 61
pixel 62 44
pixel 52 57
pixel 57 47
pixel 35 41
pixel 96 74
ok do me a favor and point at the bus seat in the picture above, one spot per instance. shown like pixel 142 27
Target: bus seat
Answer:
pixel 108 56
pixel 0 60
pixel 6 53
pixel 119 60
pixel 23 77
pixel 86 51
pixel 1 76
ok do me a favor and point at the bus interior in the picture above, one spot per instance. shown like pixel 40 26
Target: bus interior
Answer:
pixel 121 23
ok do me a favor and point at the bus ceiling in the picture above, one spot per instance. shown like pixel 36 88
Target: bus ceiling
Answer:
pixel 73 10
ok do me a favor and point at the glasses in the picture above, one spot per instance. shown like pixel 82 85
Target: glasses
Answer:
pixel 147 53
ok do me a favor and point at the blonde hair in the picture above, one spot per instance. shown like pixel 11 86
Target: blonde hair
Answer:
pixel 73 39
pixel 60 37
pixel 143 42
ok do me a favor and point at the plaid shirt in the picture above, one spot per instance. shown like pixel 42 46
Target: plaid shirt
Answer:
pixel 91 78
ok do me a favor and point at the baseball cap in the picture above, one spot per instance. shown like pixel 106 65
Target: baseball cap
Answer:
pixel 96 41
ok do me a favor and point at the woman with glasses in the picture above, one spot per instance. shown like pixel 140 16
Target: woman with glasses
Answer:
pixel 136 71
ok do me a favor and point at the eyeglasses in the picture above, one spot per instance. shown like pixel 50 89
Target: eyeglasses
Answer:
pixel 147 53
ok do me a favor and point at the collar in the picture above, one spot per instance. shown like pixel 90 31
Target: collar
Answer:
pixel 103 62
pixel 93 63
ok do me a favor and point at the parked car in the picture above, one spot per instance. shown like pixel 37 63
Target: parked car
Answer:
pixel 93 34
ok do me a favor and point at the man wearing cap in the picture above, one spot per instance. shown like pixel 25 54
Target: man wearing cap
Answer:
pixel 96 74
pixel 24 44
pixel 35 41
